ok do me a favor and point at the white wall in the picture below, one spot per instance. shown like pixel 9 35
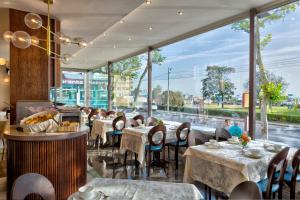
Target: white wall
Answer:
pixel 4 53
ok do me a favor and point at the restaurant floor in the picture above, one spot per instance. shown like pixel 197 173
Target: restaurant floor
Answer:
pixel 100 164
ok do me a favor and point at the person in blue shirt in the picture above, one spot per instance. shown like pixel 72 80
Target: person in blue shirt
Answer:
pixel 235 130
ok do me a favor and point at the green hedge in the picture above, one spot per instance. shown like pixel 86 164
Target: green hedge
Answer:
pixel 235 113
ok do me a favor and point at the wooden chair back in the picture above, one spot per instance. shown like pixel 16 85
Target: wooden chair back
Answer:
pixel 295 165
pixel 278 160
pixel 139 117
pixel 103 113
pixel 151 121
pixel 186 126
pixel 111 112
pixel 222 134
pixel 32 183
pixel 247 190
pixel 159 129
pixel 119 120
pixel 134 123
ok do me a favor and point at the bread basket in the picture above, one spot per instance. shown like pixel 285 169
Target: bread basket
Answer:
pixel 48 125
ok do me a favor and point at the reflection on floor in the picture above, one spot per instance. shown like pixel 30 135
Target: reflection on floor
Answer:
pixel 101 164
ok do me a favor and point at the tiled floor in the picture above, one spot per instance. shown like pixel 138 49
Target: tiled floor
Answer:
pixel 101 165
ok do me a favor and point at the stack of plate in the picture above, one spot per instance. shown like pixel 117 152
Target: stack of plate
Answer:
pixel 253 153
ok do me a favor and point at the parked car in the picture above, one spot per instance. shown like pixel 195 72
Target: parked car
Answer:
pixel 145 107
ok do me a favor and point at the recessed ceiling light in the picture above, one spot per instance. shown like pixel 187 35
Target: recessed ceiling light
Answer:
pixel 121 21
pixel 179 12
pixel 150 28
pixel 104 34
pixel 148 2
pixel 91 42
pixel 115 46
pixel 129 38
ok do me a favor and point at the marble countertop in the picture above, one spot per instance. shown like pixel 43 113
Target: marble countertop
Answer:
pixel 13 134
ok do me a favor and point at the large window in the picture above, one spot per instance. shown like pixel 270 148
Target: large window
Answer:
pixel 98 96
pixel 72 91
pixel 204 79
pixel 129 78
pixel 278 72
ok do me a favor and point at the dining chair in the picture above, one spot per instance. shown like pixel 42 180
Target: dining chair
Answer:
pixel 272 184
pixel 32 183
pixel 110 113
pixel 156 140
pixel 247 190
pixel 133 123
pixel 118 125
pixel 222 134
pixel 292 174
pixel 90 119
pixel 140 119
pixel 182 140
pixel 103 113
pixel 151 121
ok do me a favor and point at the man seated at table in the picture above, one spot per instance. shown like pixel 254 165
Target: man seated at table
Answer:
pixel 227 124
pixel 235 130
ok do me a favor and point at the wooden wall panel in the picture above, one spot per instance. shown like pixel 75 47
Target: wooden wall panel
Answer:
pixel 63 162
pixel 29 68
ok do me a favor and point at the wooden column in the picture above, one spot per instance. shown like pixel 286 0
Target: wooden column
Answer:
pixel 109 85
pixel 252 74
pixel 149 65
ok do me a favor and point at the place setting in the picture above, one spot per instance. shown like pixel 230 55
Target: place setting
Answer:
pixel 253 153
pixel 213 144
pixel 274 148
pixel 233 140
pixel 88 193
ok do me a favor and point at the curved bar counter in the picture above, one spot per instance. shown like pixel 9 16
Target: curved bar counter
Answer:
pixel 61 157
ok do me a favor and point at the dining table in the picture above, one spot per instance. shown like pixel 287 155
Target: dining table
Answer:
pixel 225 167
pixel 135 139
pixel 116 189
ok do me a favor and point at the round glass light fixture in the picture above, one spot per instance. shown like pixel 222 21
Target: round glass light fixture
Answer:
pixel 66 58
pixel 59 37
pixel 2 61
pixel 21 39
pixel 81 42
pixel 33 21
pixel 7 36
pixel 35 40
pixel 66 40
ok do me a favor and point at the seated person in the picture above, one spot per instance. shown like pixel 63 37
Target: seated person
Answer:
pixel 227 124
pixel 235 130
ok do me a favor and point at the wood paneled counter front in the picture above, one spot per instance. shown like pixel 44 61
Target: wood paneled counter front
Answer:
pixel 61 157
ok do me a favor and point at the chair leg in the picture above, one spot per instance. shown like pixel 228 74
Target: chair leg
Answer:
pixel 273 195
pixel 125 157
pixel 3 151
pixel 164 161
pixel 149 163
pixel 169 153
pixel 176 157
pixel 135 160
pixel 292 191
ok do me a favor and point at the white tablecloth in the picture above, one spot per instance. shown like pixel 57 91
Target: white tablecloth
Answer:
pixel 118 189
pixel 100 127
pixel 223 169
pixel 135 139
pixel 202 133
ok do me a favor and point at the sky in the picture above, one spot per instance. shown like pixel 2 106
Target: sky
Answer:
pixel 226 47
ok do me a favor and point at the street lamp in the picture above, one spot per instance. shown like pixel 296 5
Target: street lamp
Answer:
pixel 168 100
pixel 222 91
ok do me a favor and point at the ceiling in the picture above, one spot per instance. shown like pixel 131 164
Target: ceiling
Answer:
pixel 98 21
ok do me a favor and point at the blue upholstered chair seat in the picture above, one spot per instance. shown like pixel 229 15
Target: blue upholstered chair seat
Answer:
pixel 182 143
pixel 288 174
pixel 153 148
pixel 263 184
pixel 115 132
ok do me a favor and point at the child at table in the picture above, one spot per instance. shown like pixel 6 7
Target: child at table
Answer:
pixel 235 130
